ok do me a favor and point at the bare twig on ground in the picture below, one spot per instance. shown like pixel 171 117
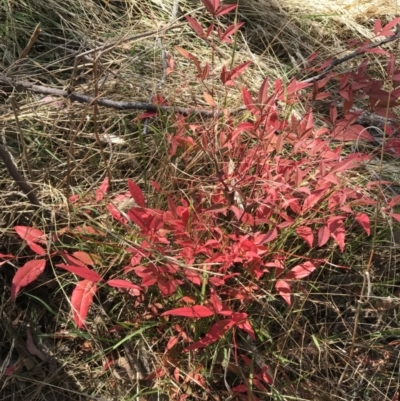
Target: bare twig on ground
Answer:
pixel 107 102
pixel 18 178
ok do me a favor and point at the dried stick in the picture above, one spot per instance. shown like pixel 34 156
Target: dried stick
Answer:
pixel 107 102
pixel 18 178
pixel 34 37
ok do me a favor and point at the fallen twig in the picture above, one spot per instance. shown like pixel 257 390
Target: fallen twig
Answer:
pixel 18 178
pixel 77 97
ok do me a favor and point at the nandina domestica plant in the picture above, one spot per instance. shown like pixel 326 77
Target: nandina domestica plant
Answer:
pixel 270 181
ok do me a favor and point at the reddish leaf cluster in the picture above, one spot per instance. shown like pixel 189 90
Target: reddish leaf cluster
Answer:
pixel 273 180
pixel 77 263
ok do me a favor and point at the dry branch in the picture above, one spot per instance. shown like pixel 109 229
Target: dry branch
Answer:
pixel 18 178
pixel 77 97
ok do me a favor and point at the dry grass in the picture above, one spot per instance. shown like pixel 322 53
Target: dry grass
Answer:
pixel 69 152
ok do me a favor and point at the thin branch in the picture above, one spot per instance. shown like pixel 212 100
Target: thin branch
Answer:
pixel 18 178
pixel 77 97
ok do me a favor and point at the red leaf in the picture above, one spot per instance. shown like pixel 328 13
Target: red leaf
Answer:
pixel 333 114
pixel 225 77
pixel 210 29
pixel 246 360
pixel 323 235
pixel 350 162
pixel 25 275
pixel 394 201
pixel 85 258
pixel 30 234
pixel 102 189
pixel 241 388
pixel 396 216
pixel 196 26
pixel 246 327
pixel 195 311
pixel 336 228
pixel 82 272
pixel 136 193
pixel 109 362
pixel 283 289
pixel 206 72
pixel 267 375
pixel 194 277
pixel 354 132
pixel 184 52
pixel 134 289
pixel 269 236
pixel 363 221
pixel 209 99
pixel 74 198
pixel 216 332
pixel 236 71
pixel 81 299
pixel 211 5
pixel 219 307
pixel 391 67
pixel 9 370
pixel 248 101
pixel 230 31
pixel 136 216
pixel 377 26
pixel 71 260
pixel 156 185
pixel 147 114
pixel 390 25
pixel 311 201
pixel 300 271
pixel 263 92
pixel 116 214
pixel 36 248
pixel 225 9
pixel 171 343
pixel 188 300
pixel 167 286
pixel 6 257
pixel 307 234
pixel 294 86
